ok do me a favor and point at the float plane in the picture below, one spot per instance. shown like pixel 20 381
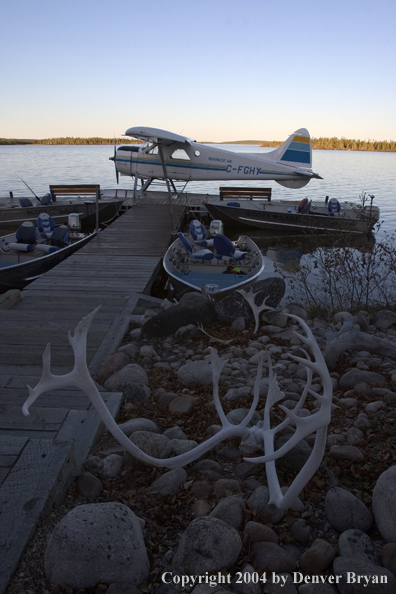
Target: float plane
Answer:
pixel 171 157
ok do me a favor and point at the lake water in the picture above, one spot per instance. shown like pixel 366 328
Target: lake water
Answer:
pixel 345 175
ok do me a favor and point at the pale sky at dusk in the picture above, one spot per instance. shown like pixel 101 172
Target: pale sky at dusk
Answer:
pixel 213 70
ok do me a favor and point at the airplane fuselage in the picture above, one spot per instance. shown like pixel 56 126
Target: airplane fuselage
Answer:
pixel 200 162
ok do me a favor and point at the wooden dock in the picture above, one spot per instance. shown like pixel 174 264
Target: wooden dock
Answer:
pixel 41 454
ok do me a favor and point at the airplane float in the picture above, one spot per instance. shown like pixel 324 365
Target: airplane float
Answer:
pixel 171 157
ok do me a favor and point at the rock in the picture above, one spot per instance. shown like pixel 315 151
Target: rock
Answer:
pixel 356 574
pixel 383 504
pixel 133 425
pixel 318 557
pixel 195 373
pixel 208 544
pixel 201 508
pixel 258 503
pixel 384 319
pixel 300 530
pixel 138 393
pixel 152 444
pixel 129 349
pixel 374 407
pixel 272 557
pixel 89 486
pixel 345 511
pixel 207 464
pixel 341 316
pixel 226 488
pixel 362 421
pixel 357 544
pixel 181 446
pixel 186 332
pixel 114 363
pixel 182 405
pixel 297 310
pixel 130 374
pixel 231 510
pixel 193 308
pixel 260 533
pixel 388 556
pixel 295 458
pixel 238 324
pixel 169 482
pixel 346 452
pixel 354 435
pixel 277 318
pixel 175 433
pixel 237 415
pixel 98 541
pixel 110 467
pixel 235 305
pixel 355 376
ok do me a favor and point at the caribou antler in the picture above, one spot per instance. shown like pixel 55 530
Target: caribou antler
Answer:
pixel 262 432
pixel 256 309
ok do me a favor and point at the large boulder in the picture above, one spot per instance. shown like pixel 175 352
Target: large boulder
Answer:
pixel 193 308
pixel 384 509
pixel 208 544
pixel 235 305
pixel 94 542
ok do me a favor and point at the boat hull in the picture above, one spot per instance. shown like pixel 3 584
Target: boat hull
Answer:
pixel 19 276
pixel 12 216
pixel 280 217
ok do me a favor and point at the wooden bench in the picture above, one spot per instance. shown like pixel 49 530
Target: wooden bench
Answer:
pixel 83 190
pixel 251 193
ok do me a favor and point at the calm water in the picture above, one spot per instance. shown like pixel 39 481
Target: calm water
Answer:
pixel 345 173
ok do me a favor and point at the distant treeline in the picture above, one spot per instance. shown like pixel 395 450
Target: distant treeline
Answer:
pixel 70 140
pixel 339 144
pixel 346 144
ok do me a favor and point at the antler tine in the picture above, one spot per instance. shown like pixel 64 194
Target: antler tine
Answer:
pixel 256 309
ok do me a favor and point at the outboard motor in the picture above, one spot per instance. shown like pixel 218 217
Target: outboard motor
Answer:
pixel 73 222
pixel 216 228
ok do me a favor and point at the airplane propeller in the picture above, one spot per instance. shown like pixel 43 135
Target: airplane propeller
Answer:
pixel 113 158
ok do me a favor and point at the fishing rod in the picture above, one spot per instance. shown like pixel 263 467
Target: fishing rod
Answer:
pixel 29 188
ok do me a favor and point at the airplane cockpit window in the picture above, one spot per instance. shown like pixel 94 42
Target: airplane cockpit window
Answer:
pixel 180 154
pixel 153 150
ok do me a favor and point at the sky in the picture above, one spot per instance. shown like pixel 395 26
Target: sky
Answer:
pixel 214 70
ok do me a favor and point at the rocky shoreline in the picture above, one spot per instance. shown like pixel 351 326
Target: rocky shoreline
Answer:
pixel 124 526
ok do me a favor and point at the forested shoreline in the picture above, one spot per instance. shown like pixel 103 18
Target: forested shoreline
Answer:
pixel 322 143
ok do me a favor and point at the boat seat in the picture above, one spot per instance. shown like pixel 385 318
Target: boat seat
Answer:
pixel 26 233
pixel 25 202
pixel 333 206
pixel 60 236
pixel 46 225
pixel 200 255
pixel 21 247
pixel 45 200
pixel 198 233
pixel 225 250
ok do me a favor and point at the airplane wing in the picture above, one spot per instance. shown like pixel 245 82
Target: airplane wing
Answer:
pixel 155 134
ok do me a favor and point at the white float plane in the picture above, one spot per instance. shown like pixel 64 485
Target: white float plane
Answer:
pixel 168 156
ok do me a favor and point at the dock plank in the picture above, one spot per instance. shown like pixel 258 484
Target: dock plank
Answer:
pixel 41 453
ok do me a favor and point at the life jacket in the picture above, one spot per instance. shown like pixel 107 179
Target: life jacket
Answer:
pixel 303 207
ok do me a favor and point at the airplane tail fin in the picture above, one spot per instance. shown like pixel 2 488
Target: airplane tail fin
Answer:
pixel 295 151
